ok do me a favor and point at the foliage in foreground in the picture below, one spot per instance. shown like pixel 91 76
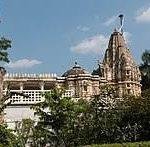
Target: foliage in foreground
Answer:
pixel 104 119
pixel 4 45
pixel 145 70
pixel 7 138
pixel 135 144
pixel 67 123
pixel 59 119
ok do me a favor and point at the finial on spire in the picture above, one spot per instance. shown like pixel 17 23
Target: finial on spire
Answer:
pixel 121 16
pixel 115 30
pixel 76 63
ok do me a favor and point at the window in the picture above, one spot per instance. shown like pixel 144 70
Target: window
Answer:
pixel 129 91
pixel 85 88
pixel 128 71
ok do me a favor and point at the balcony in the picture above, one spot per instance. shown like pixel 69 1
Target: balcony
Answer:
pixel 33 96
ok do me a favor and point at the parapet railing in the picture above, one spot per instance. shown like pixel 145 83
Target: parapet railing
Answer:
pixel 27 75
pixel 33 96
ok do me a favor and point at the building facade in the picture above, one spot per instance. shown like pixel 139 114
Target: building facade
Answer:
pixel 117 69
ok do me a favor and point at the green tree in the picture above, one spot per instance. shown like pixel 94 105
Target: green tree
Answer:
pixel 4 45
pixel 104 119
pixel 103 108
pixel 145 70
pixel 25 132
pixel 129 111
pixel 7 137
pixel 58 119
pixel 146 57
pixel 114 119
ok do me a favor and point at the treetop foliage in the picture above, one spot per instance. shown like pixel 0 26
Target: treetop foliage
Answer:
pixel 145 70
pixel 4 45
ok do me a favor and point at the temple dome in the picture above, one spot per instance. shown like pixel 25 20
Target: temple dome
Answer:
pixel 75 70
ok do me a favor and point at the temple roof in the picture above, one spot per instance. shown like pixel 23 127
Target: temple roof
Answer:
pixel 75 70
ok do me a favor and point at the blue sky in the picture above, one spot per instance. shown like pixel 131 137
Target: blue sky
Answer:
pixel 50 35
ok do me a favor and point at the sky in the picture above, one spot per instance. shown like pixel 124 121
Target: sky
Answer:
pixel 48 36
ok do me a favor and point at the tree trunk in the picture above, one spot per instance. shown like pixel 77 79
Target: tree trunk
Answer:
pixel 2 73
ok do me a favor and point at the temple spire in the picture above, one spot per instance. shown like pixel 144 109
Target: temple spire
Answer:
pixel 121 16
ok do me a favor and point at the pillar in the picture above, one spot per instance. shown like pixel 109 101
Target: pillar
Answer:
pixel 42 86
pixel 21 86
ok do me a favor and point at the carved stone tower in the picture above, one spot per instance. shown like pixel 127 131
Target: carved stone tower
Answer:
pixel 119 68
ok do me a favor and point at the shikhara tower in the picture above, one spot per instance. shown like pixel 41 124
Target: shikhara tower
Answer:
pixel 119 68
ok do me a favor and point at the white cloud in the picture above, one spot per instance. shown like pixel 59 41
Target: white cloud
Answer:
pixel 83 28
pixel 127 37
pixel 23 63
pixel 93 44
pixel 143 16
pixel 110 21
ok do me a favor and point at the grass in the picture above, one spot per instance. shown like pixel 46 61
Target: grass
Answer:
pixel 135 144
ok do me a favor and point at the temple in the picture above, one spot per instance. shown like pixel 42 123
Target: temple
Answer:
pixel 117 69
